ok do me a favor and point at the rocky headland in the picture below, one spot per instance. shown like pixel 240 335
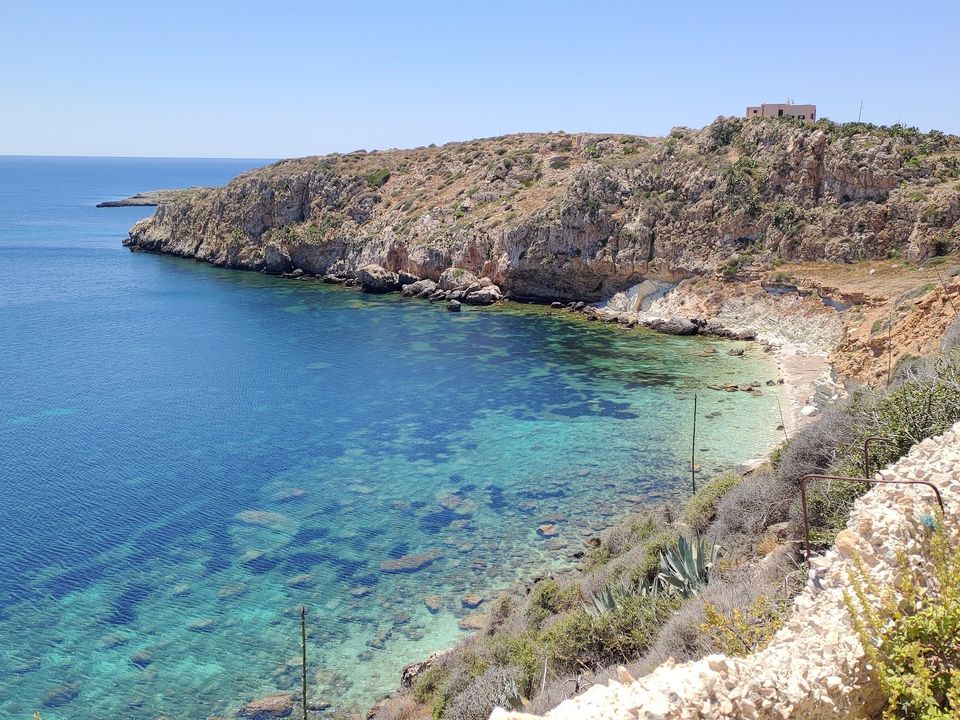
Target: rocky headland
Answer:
pixel 151 198
pixel 813 238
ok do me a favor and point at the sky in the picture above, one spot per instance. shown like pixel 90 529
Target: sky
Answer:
pixel 279 79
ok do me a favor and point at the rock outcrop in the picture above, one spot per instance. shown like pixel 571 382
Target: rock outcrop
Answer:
pixel 377 279
pixel 815 667
pixel 581 217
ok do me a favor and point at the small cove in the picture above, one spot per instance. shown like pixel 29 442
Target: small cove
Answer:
pixel 190 453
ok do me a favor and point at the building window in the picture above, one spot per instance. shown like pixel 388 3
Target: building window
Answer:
pixel 780 112
pixel 802 117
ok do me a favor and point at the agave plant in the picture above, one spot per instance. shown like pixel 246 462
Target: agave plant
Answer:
pixel 686 567
pixel 611 596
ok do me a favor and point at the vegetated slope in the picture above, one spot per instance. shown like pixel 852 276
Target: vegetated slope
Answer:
pixel 562 216
pixel 541 644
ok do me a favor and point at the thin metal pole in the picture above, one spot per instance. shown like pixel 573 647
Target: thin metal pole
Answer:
pixel 946 292
pixel 693 447
pixel 783 422
pixel 303 645
pixel 889 346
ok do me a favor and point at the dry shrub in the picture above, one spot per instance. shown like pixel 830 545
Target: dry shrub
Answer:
pixel 752 505
pixel 402 707
pixel 497 687
pixel 556 690
pixel 819 445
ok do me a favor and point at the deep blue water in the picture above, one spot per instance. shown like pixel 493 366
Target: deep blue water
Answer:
pixel 188 454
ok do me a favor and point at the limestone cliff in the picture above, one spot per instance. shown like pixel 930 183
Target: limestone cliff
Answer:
pixel 578 217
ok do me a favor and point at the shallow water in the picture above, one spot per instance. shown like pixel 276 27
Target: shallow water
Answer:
pixel 188 454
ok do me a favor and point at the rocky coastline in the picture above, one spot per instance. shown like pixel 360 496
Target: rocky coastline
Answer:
pixel 681 235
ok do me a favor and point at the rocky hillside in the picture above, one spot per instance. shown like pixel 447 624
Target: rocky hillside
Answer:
pixel 578 217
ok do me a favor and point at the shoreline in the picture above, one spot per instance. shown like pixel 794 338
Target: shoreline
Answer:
pixel 799 370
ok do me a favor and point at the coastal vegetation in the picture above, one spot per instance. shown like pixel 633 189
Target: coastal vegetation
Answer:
pixel 911 635
pixel 715 577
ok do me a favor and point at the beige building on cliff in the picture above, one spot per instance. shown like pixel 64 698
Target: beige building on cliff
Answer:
pixel 787 109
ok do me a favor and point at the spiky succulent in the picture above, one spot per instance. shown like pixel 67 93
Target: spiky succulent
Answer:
pixel 686 567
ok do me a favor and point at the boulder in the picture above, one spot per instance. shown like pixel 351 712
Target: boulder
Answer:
pixel 457 279
pixel 268 708
pixel 484 296
pixel 377 279
pixel 405 278
pixel 672 326
pixel 420 288
pixel 453 306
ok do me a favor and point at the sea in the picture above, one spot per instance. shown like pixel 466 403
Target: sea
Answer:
pixel 190 454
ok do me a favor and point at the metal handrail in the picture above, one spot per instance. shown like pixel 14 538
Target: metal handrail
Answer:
pixel 866 450
pixel 874 481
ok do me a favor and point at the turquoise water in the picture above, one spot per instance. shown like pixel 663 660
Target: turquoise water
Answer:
pixel 188 454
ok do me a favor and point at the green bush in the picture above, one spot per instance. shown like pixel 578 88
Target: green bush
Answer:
pixel 378 178
pixel 652 550
pixel 581 641
pixel 550 598
pixel 912 636
pixel 701 508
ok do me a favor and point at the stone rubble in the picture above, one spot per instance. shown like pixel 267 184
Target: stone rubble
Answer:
pixel 814 668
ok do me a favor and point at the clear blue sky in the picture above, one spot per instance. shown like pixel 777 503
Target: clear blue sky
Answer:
pixel 276 79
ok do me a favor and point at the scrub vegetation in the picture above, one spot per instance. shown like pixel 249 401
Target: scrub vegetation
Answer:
pixel 715 577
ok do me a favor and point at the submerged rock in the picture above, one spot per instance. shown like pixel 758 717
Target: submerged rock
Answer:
pixel 433 603
pixel 201 626
pixel 472 600
pixel 300 581
pixel 141 658
pixel 409 563
pixel 474 621
pixel 264 518
pixel 60 695
pixel 547 530
pixel 268 708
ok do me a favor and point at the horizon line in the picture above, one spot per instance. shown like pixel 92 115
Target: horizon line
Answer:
pixel 136 157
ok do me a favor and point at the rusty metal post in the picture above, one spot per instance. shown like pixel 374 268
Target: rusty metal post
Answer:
pixel 802 482
pixel 866 450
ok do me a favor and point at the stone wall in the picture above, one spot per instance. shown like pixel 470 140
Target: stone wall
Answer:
pixel 814 668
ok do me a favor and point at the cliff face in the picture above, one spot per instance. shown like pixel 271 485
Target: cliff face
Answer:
pixel 575 217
